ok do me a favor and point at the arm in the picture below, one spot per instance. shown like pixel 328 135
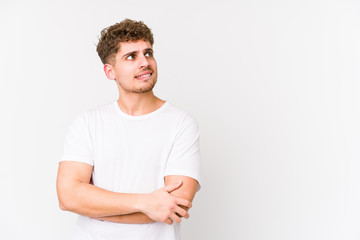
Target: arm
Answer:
pixel 77 195
pixel 186 191
pixel 133 218
pixel 184 155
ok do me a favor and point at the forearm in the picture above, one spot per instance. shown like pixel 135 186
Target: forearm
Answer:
pixel 133 218
pixel 89 200
pixel 77 195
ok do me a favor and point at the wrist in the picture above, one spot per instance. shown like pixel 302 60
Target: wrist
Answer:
pixel 140 202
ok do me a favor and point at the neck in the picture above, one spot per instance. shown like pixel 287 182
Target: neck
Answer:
pixel 137 104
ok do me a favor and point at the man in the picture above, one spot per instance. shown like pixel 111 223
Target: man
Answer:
pixel 130 168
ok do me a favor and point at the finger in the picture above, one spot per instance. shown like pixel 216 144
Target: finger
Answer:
pixel 169 221
pixel 180 211
pixel 175 218
pixel 186 216
pixel 183 202
pixel 173 187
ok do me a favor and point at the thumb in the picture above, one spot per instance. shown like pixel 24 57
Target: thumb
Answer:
pixel 173 187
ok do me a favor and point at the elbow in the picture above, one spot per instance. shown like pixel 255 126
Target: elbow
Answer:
pixel 66 200
pixel 64 205
pixel 68 206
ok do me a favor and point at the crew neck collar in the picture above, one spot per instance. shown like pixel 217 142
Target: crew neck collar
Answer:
pixel 127 116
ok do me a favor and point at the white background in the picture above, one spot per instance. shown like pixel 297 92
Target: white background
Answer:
pixel 274 86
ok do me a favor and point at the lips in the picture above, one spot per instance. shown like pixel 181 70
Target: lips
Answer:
pixel 144 75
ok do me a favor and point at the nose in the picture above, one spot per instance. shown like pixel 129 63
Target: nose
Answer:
pixel 143 61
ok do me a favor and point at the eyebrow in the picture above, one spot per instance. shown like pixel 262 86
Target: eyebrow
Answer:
pixel 129 53
pixel 148 50
pixel 135 52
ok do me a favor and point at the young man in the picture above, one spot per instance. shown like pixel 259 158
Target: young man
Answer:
pixel 130 168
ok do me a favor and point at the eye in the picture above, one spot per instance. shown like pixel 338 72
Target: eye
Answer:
pixel 148 54
pixel 131 57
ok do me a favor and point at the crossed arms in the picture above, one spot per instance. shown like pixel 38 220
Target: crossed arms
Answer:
pixel 167 204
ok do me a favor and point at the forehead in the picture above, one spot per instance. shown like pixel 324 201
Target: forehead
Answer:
pixel 139 45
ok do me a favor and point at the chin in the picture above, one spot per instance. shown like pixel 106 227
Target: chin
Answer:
pixel 143 89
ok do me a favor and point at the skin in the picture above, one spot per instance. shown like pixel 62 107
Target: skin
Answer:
pixel 78 195
pixel 186 191
pixel 135 95
pixel 134 70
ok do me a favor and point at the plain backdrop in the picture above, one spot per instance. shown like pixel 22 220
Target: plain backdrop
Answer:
pixel 274 86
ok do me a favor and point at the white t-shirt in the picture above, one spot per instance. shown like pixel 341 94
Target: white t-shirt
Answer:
pixel 132 154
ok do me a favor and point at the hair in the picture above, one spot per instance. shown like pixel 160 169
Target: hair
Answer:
pixel 126 31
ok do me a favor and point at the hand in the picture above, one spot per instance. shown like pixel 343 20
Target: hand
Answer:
pixel 163 207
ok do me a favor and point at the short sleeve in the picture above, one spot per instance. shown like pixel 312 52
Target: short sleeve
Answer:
pixel 184 157
pixel 78 145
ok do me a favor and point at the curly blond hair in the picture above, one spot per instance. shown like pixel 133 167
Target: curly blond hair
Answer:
pixel 126 31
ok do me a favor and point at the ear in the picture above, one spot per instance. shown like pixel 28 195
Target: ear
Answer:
pixel 109 71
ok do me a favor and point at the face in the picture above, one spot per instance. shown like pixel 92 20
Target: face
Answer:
pixel 135 68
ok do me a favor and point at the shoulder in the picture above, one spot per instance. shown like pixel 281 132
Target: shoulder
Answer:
pixel 97 111
pixel 91 116
pixel 107 108
pixel 183 118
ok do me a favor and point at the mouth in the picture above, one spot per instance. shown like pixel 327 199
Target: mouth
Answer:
pixel 145 75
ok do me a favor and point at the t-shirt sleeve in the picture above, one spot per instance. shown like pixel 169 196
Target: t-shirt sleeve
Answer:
pixel 78 145
pixel 184 157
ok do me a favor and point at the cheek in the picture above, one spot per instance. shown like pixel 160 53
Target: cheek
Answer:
pixel 126 72
pixel 154 65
